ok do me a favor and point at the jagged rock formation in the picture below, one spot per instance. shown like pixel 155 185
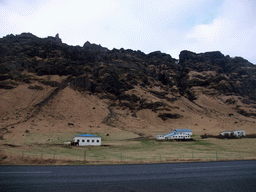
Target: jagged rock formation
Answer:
pixel 230 76
pixel 93 47
pixel 116 71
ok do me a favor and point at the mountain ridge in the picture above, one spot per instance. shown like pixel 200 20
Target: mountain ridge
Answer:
pixel 123 89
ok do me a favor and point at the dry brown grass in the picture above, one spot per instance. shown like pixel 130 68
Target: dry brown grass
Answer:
pixel 130 151
pixel 51 127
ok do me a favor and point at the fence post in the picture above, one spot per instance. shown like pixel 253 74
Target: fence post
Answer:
pixel 54 154
pixel 42 154
pixel 84 156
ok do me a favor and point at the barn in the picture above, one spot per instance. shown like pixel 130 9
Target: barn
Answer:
pixel 87 140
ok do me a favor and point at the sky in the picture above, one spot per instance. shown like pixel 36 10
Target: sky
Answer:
pixel 169 26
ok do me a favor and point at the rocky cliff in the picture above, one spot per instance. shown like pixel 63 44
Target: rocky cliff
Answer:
pixel 126 79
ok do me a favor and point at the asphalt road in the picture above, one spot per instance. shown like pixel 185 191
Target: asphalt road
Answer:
pixel 207 176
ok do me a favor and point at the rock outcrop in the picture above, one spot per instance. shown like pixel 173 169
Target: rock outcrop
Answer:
pixel 99 70
pixel 93 47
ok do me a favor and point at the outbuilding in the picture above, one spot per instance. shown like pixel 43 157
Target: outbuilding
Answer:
pixel 239 133
pixel 87 140
pixel 160 137
pixel 226 133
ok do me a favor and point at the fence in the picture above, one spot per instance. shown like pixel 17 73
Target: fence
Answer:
pixel 84 156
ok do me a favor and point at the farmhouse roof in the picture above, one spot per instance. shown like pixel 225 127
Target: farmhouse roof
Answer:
pixel 176 131
pixel 183 130
pixel 86 135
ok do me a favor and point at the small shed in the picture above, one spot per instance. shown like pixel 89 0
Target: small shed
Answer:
pixel 160 137
pixel 87 140
pixel 239 133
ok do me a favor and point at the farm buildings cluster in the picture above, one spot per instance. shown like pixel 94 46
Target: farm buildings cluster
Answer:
pixel 184 134
pixel 177 134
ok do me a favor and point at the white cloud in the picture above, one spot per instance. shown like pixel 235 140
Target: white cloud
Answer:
pixel 148 25
pixel 232 32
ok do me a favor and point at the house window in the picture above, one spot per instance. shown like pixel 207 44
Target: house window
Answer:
pixel 82 140
pixel 98 141
pixel 93 141
pixel 88 141
pixel 78 140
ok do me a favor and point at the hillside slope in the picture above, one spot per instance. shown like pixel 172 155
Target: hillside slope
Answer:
pixel 48 86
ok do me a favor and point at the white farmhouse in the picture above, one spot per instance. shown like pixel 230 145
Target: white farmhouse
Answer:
pixel 179 134
pixel 87 140
pixel 176 134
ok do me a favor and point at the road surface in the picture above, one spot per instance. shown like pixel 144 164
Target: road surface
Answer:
pixel 206 176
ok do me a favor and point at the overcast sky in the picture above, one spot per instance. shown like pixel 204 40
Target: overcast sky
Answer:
pixel 170 26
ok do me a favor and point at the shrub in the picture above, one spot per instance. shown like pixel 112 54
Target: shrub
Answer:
pixel 36 87
pixel 166 116
pixel 51 83
pixel 231 101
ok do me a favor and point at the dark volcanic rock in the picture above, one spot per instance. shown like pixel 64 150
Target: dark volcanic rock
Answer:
pixel 233 75
pixel 166 116
pixel 98 70
pixel 94 48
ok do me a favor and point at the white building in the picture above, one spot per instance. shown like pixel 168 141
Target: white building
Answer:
pixel 87 140
pixel 160 137
pixel 176 134
pixel 237 133
pixel 226 133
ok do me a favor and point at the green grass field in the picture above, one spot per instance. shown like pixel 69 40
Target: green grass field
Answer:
pixel 120 147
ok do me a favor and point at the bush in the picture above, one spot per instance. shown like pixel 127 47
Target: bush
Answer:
pixel 36 87
pixel 166 116
pixel 231 101
pixel 51 83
